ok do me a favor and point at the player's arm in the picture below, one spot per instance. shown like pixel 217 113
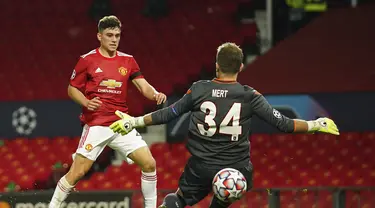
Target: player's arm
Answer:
pixel 149 91
pixel 77 84
pixel 143 86
pixel 182 106
pixel 77 96
pixel 267 113
pixel 127 123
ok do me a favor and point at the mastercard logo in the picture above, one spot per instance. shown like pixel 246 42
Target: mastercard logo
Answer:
pixel 4 204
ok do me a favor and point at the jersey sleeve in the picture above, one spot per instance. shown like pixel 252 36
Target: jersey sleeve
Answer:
pixel 135 72
pixel 266 112
pixel 182 106
pixel 79 75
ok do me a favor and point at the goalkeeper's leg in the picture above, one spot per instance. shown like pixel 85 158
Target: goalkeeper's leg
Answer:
pixel 216 203
pixel 173 200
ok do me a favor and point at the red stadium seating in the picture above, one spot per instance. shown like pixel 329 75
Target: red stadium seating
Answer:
pixel 40 56
pixel 279 160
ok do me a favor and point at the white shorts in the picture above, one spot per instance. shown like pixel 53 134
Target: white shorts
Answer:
pixel 95 138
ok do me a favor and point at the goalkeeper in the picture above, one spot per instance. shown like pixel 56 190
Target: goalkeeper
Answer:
pixel 222 110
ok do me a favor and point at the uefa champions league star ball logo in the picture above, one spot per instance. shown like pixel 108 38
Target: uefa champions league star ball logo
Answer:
pixel 276 113
pixel 24 120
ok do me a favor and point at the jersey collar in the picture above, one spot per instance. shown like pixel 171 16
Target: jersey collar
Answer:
pixel 223 81
pixel 109 58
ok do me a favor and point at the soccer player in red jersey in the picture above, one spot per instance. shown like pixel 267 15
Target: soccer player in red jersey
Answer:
pixel 99 85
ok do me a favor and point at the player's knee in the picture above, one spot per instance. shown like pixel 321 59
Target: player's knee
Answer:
pixel 149 165
pixel 173 201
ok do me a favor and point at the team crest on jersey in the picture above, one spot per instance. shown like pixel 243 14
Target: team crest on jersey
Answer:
pixel 123 71
pixel 88 147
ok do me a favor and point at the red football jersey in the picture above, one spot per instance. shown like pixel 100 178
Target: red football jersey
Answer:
pixel 106 78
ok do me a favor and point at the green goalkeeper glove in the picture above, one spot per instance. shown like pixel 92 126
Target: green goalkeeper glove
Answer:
pixel 324 125
pixel 126 124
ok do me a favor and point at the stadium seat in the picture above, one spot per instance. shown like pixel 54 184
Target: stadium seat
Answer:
pixel 85 185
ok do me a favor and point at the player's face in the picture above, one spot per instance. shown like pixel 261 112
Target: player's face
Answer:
pixel 110 38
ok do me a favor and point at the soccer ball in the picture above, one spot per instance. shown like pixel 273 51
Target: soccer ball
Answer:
pixel 24 120
pixel 229 185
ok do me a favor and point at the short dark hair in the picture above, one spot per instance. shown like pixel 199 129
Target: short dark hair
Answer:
pixel 109 22
pixel 229 57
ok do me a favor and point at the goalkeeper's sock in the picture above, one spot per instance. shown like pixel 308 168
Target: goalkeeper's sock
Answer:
pixel 62 191
pixel 148 184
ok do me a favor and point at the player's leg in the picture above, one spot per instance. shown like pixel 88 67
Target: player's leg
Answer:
pixel 194 185
pixel 142 157
pixel 89 149
pixel 217 203
pixel 173 200
pixel 247 171
pixel 134 147
pixel 78 169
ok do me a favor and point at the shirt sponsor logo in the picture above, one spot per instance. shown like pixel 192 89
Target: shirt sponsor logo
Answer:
pixel 111 85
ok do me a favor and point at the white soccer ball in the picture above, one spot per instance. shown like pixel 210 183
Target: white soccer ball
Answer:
pixel 229 185
pixel 24 120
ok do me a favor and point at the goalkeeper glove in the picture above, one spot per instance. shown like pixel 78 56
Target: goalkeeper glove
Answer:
pixel 324 125
pixel 126 124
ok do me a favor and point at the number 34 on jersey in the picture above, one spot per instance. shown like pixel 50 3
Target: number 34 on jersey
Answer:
pixel 224 128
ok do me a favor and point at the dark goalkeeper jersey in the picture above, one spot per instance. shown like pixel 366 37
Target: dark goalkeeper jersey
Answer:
pixel 221 115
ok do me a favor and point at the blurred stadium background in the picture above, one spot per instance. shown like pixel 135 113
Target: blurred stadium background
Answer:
pixel 309 58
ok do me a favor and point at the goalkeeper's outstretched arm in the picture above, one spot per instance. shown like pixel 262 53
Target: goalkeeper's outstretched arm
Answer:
pixel 127 123
pixel 270 115
pixel 259 106
pixel 167 114
pixel 162 116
